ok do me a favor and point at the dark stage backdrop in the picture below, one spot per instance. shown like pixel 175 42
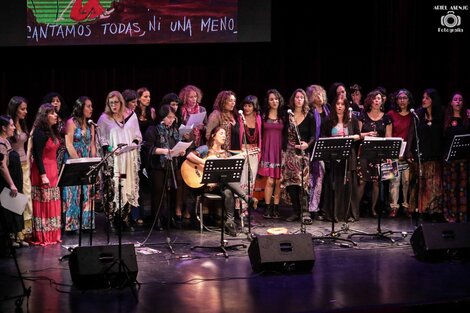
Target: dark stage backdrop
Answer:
pixel 391 43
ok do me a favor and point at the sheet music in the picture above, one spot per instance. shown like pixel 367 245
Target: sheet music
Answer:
pixel 196 119
pixel 83 160
pixel 128 148
pixel 16 204
pixel 183 130
pixel 180 147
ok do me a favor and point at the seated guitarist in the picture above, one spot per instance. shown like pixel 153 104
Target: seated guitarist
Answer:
pixel 215 149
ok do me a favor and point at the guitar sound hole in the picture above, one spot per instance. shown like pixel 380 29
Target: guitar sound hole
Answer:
pixel 197 172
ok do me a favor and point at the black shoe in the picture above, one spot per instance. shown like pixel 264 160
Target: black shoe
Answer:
pixel 230 229
pixel 268 211
pixel 276 214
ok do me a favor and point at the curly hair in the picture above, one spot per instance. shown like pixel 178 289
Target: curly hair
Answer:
pixel 184 93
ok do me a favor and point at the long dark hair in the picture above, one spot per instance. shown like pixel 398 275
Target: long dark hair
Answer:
pixel 77 111
pixel 436 109
pixel 280 109
pixel 334 116
pixel 449 112
pixel 41 121
pixel 13 105
pixel 138 109
pixel 210 142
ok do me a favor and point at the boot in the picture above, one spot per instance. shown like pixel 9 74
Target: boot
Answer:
pixel 276 214
pixel 268 211
pixel 230 228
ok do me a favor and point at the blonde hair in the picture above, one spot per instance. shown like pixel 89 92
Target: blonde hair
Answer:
pixel 112 94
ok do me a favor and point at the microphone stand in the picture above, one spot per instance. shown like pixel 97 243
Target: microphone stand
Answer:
pixel 303 227
pixel 249 194
pixel 93 173
pixel 169 183
pixel 92 191
pixel 420 170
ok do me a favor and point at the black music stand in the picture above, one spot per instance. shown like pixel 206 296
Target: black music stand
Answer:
pixel 123 278
pixel 222 172
pixel 460 148
pixel 332 149
pixel 377 149
pixel 75 172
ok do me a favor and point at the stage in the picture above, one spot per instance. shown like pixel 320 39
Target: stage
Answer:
pixel 377 275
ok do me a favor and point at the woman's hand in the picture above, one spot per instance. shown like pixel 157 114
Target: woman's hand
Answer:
pixel 45 180
pixel 13 191
pixel 303 145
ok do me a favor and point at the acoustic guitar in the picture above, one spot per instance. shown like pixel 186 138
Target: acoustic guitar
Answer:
pixel 192 173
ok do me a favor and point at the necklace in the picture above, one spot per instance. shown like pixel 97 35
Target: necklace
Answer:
pixel 120 124
pixel 252 138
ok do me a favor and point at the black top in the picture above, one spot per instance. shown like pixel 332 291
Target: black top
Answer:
pixel 39 142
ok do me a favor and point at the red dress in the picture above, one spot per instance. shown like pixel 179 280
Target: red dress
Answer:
pixel 46 199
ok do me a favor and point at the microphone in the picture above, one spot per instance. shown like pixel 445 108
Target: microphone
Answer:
pixel 350 113
pixel 412 111
pixel 290 112
pixel 90 122
pixel 120 145
pixel 243 116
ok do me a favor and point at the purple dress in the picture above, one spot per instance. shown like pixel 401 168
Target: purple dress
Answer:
pixel 271 150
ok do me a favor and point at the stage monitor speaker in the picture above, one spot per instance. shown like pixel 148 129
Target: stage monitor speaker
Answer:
pixel 282 253
pixel 441 240
pixel 98 266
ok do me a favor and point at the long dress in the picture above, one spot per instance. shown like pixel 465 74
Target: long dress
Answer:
pixel 13 222
pixel 317 167
pixel 46 198
pixel 112 133
pixel 340 175
pixel 271 151
pixel 71 194
pixel 295 164
pixel 19 146
pixel 455 176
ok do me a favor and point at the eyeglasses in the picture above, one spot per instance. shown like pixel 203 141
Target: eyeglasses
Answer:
pixel 114 102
